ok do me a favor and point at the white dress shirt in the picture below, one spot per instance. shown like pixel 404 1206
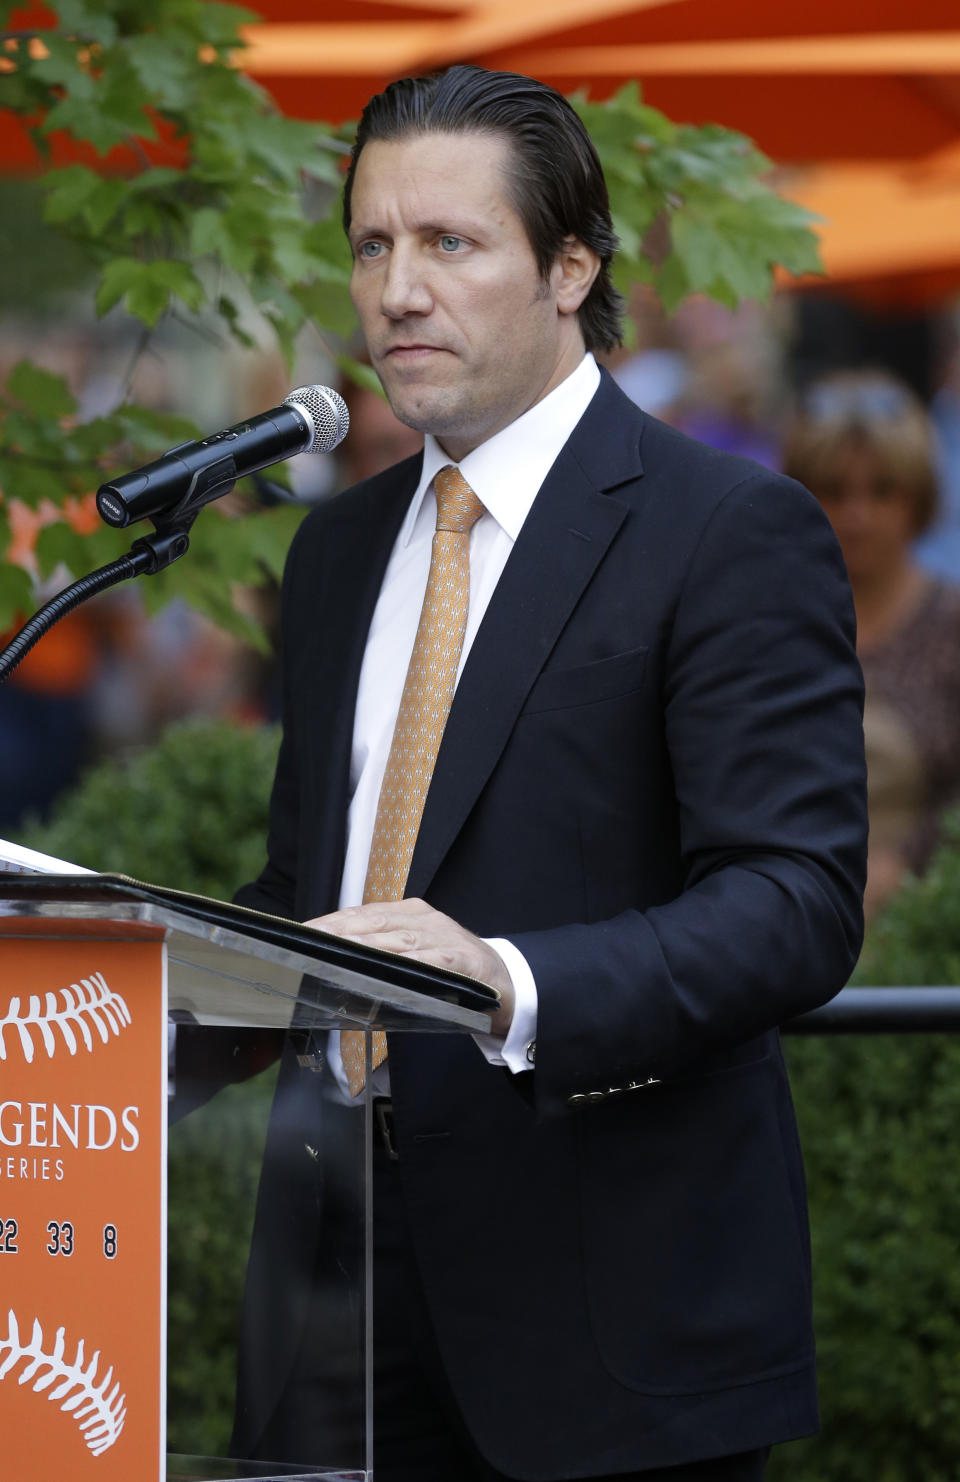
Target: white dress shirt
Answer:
pixel 506 473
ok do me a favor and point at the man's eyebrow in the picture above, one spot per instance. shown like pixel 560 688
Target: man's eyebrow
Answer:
pixel 423 228
pixel 446 225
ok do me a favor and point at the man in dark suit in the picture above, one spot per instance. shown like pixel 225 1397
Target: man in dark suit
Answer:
pixel 642 821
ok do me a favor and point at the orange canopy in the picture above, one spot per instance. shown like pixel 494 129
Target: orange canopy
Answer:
pixel 865 93
pixel 889 230
pixel 870 89
pixel 808 79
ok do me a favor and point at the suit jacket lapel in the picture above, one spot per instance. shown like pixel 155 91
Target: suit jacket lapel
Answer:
pixel 563 541
pixel 357 550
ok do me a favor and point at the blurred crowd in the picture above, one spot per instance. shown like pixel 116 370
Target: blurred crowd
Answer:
pixel 861 407
pixel 865 411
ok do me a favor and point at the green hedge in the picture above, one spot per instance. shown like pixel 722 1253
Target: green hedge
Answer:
pixel 879 1119
pixel 189 812
pixel 213 1168
pixel 880 1125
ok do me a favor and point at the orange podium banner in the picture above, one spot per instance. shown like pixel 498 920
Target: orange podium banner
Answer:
pixel 83 1034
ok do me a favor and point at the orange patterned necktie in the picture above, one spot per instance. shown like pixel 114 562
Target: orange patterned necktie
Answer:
pixel 424 706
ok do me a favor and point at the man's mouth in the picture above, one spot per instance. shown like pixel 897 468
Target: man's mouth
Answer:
pixel 411 352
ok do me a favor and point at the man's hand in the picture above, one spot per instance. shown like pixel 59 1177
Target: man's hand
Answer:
pixel 413 929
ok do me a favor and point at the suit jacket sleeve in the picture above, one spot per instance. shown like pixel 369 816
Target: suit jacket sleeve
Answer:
pixel 762 704
pixel 275 890
pixel 208 1059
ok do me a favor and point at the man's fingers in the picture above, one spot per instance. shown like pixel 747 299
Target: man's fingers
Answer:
pixel 357 923
pixel 407 943
pixel 438 957
pixel 402 942
pixel 379 916
pixel 411 928
pixel 344 925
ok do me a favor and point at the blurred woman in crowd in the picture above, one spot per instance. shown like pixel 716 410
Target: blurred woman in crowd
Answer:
pixel 862 442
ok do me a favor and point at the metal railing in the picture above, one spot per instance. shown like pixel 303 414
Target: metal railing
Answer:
pixel 883 1011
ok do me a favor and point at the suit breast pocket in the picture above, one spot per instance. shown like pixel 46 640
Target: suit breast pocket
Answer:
pixel 585 684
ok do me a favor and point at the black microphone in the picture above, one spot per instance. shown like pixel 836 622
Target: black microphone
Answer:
pixel 312 419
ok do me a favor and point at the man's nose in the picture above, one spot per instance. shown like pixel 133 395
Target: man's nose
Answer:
pixel 405 289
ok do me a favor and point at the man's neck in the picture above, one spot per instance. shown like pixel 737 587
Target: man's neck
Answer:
pixel 457 448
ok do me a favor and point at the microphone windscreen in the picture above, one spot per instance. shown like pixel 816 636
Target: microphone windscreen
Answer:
pixel 327 412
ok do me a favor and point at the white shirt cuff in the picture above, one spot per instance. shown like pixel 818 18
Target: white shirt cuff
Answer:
pixel 516 1049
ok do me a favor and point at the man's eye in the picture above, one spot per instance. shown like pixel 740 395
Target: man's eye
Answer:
pixel 450 243
pixel 370 249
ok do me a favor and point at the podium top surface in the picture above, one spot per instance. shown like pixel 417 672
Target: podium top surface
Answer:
pixel 231 965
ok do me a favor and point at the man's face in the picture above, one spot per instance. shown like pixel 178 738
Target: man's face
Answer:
pixel 463 332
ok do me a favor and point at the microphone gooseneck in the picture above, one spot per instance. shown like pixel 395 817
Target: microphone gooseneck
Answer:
pixel 174 487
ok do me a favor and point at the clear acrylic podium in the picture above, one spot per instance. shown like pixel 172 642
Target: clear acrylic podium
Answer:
pixel 128 1254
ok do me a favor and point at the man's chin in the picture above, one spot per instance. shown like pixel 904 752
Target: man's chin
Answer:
pixel 423 413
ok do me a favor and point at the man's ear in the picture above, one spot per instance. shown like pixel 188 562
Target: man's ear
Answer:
pixel 573 274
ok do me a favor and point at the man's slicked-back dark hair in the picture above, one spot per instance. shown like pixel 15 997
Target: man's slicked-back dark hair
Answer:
pixel 555 180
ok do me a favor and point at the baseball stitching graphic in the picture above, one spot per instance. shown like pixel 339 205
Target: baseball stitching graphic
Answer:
pixel 98 1410
pixel 88 1002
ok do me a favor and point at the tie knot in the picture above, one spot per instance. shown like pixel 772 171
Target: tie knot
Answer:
pixel 458 508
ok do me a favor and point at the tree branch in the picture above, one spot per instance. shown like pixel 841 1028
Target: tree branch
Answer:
pixel 143 340
pixel 41 35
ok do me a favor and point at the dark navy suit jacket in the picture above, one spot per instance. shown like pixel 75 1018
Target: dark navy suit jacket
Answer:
pixel 651 780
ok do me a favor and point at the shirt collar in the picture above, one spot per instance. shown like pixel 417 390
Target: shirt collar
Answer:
pixel 506 471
